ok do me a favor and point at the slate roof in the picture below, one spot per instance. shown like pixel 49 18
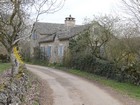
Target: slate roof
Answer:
pixel 48 28
pixel 51 30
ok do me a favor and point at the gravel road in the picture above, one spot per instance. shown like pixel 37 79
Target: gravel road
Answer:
pixel 71 90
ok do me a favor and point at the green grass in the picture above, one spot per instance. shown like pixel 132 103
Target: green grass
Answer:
pixel 4 66
pixel 124 88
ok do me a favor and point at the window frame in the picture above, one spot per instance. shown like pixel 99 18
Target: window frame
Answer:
pixel 61 50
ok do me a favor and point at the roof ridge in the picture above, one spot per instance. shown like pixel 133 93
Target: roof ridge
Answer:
pixel 50 23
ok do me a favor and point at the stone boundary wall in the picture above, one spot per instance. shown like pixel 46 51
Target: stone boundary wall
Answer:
pixel 19 90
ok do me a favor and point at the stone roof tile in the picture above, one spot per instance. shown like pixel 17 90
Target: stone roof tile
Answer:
pixel 60 30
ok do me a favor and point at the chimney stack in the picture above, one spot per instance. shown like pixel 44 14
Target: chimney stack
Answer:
pixel 70 21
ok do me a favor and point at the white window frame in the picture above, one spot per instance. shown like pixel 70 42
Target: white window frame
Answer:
pixel 61 53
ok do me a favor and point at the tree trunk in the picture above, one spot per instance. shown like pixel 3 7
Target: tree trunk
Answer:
pixel 15 64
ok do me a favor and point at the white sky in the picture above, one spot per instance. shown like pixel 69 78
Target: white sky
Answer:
pixel 81 9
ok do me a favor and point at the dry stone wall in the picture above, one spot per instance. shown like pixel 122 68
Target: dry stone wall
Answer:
pixel 16 91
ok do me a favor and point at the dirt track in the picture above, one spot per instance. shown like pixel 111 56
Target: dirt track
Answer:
pixel 71 90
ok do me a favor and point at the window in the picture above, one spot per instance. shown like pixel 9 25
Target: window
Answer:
pixel 45 52
pixel 61 51
pixel 48 51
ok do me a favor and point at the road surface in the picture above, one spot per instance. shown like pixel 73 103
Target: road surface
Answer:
pixel 71 90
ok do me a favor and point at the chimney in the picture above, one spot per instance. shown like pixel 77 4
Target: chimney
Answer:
pixel 70 21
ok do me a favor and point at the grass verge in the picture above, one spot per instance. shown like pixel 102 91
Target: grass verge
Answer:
pixel 4 66
pixel 125 88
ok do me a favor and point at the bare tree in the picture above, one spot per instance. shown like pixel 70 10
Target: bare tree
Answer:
pixel 102 34
pixel 94 38
pixel 133 9
pixel 13 21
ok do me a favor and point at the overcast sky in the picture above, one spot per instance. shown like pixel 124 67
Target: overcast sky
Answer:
pixel 81 9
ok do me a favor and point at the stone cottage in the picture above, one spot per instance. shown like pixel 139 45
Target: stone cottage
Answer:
pixel 53 39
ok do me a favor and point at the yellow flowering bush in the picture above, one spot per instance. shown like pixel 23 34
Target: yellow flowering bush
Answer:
pixel 17 55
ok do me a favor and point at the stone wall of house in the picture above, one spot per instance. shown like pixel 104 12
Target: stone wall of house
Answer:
pixel 54 49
